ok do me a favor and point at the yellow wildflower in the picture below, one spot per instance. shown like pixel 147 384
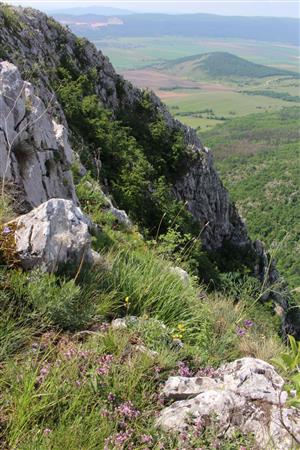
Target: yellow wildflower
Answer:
pixel 181 327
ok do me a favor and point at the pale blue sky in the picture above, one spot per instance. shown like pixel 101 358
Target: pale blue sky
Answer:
pixel 283 8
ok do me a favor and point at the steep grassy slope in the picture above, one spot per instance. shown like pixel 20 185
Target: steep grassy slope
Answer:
pixel 62 374
pixel 259 160
pixel 219 65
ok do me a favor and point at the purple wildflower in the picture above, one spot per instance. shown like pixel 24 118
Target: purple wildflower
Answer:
pixel 104 413
pixel 102 370
pixel 128 411
pixel 46 431
pixel 111 397
pixel 207 372
pixel 70 353
pixel 146 439
pixel 6 230
pixel 184 370
pixel 117 441
pixel 84 354
pixel 198 426
pixel 240 331
pixel 248 323
pixel 105 362
pixel 183 436
pixel 43 373
pixel 161 446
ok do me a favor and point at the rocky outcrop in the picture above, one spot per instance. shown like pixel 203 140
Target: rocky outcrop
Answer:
pixel 35 155
pixel 209 203
pixel 246 395
pixel 52 235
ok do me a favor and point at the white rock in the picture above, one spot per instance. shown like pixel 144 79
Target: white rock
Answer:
pixel 182 274
pixel 179 388
pixel 119 324
pixel 53 234
pixel 121 216
pixel 212 402
pixel 143 349
pixel 122 322
pixel 247 396
pixel 254 379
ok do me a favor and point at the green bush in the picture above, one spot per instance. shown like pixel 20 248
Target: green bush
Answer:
pixel 63 303
pixel 138 160
pixel 11 18
pixel 289 363
pixel 50 299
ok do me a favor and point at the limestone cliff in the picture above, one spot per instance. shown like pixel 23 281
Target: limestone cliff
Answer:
pixel 38 45
pixel 35 153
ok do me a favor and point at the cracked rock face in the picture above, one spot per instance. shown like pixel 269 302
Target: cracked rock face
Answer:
pixel 51 235
pixel 35 155
pixel 246 395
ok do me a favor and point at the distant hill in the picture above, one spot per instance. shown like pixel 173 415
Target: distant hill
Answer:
pixel 96 9
pixel 85 21
pixel 221 64
pixel 269 29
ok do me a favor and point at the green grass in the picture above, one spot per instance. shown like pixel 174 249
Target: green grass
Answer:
pixel 64 370
pixel 258 159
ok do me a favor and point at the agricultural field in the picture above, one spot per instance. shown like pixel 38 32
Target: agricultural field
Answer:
pixel 202 105
pixel 133 53
pixel 204 109
pixel 205 89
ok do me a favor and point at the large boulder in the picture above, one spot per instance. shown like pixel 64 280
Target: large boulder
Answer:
pixel 54 234
pixel 246 395
pixel 35 155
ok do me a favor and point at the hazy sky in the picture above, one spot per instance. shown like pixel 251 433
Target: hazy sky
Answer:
pixel 281 8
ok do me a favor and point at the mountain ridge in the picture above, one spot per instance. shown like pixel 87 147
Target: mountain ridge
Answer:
pixel 281 30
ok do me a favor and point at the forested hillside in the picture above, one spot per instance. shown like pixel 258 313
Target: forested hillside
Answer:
pixel 258 158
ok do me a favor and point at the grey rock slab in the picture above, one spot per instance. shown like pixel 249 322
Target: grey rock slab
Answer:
pixel 35 153
pixel 53 234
